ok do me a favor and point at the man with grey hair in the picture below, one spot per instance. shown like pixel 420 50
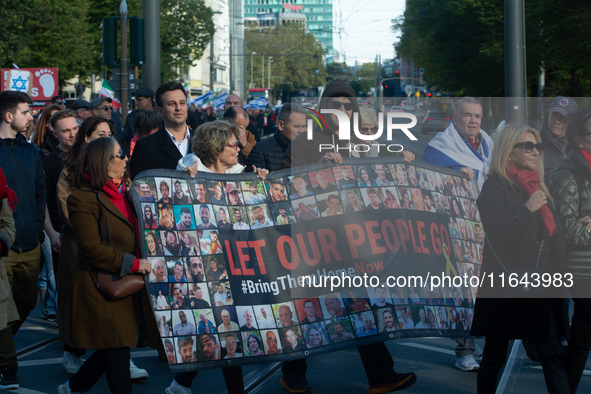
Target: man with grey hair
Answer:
pixel 463 145
pixel 83 111
pixel 291 121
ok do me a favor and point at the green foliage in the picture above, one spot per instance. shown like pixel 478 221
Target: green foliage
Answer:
pixel 460 43
pixel 186 29
pixel 296 57
pixel 66 34
pixel 46 34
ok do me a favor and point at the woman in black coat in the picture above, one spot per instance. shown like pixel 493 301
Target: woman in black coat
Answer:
pixel 523 232
pixel 571 188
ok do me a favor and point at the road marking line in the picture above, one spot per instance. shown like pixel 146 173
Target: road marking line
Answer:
pixel 23 390
pixel 427 347
pixel 59 360
pixel 585 372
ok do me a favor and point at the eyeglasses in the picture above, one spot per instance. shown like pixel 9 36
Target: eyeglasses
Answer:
pixel 235 145
pixel 338 104
pixel 272 339
pixel 61 102
pixel 528 147
pixel 119 155
pixel 368 130
pixel 106 108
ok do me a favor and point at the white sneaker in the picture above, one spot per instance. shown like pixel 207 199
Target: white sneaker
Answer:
pixel 64 389
pixel 176 388
pixel 466 363
pixel 137 373
pixel 72 363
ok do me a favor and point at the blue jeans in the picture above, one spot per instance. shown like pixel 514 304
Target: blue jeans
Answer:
pixel 47 279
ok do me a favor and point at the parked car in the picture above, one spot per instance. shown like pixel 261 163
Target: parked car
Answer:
pixel 396 108
pixel 435 121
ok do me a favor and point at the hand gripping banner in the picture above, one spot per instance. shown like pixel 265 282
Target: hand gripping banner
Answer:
pixel 310 260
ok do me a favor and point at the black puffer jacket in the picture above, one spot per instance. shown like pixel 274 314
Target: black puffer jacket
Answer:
pixel 571 189
pixel 21 164
pixel 268 153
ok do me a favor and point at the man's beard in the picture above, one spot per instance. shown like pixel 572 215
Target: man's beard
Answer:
pixel 173 249
pixel 17 130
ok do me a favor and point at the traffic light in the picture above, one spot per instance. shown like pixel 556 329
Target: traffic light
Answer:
pixel 137 53
pixel 109 41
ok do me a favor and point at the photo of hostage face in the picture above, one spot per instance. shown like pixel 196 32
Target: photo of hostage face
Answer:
pixel 231 346
pixel 272 343
pixel 169 349
pixel 211 348
pixel 185 349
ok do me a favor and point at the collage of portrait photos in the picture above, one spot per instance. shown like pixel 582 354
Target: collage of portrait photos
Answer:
pixel 189 284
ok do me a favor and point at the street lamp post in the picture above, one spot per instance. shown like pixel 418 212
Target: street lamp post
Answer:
pixel 251 69
pixel 270 60
pixel 262 71
pixel 124 77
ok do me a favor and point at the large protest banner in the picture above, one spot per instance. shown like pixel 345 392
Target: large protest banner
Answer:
pixel 311 260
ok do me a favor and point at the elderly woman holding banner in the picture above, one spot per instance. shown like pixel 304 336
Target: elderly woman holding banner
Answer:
pixel 523 232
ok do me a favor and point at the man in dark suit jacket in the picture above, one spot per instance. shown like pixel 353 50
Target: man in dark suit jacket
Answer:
pixel 171 143
pixel 164 149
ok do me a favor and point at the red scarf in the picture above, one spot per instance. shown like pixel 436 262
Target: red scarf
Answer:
pixel 6 192
pixel 586 156
pixel 529 182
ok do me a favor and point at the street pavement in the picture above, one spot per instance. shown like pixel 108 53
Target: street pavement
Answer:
pixel 432 359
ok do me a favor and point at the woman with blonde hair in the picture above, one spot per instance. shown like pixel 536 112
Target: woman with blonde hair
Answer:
pixel 522 233
pixel 353 203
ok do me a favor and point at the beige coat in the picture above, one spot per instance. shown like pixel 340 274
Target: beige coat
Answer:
pixel 8 311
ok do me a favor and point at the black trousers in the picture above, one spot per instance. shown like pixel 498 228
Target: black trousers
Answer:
pixel 580 342
pixel 376 359
pixel 113 362
pixel 551 357
pixel 232 376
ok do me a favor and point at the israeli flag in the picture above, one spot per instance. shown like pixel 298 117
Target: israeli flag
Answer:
pixel 448 149
pixel 220 100
pixel 259 103
pixel 201 99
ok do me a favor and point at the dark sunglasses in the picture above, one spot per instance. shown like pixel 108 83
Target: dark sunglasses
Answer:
pixel 528 147
pixel 338 104
pixel 119 155
pixel 107 108
pixel 61 102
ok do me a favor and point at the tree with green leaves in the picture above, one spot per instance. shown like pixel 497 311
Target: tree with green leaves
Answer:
pixel 186 29
pixel 460 44
pixel 297 58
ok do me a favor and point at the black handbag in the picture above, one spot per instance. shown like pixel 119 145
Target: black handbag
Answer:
pixel 523 289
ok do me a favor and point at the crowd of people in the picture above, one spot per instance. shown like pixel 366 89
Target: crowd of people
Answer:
pixel 66 216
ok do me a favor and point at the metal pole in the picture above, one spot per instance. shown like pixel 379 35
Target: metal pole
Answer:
pixel 269 59
pixel 232 76
pixel 251 85
pixel 211 71
pixel 515 108
pixel 262 71
pixel 124 76
pixel 151 67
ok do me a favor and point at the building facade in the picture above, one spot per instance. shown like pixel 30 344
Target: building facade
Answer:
pixel 319 19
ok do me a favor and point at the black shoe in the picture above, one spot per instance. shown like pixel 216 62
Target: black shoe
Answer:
pixel 8 379
pixel 295 384
pixel 398 381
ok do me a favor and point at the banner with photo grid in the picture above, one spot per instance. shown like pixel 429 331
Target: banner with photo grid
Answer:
pixel 239 265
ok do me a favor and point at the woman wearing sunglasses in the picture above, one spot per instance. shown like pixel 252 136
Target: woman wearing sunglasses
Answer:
pixel 523 232
pixel 571 188
pixel 100 201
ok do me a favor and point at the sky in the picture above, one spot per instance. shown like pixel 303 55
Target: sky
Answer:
pixel 362 29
